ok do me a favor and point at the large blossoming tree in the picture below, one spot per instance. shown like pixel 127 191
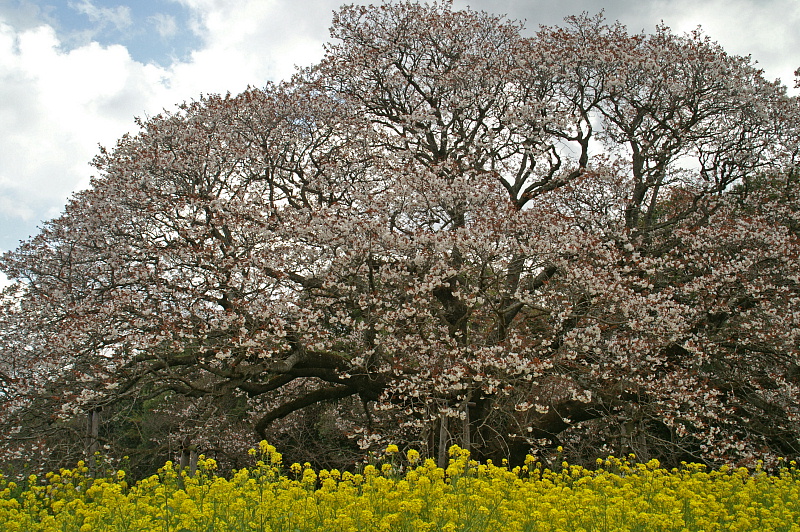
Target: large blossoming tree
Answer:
pixel 445 232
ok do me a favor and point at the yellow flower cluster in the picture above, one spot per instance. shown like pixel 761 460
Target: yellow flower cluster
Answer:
pixel 409 495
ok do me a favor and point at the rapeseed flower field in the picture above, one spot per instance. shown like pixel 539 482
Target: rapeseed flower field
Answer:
pixel 408 494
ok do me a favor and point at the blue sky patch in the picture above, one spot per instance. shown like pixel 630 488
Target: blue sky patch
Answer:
pixel 154 31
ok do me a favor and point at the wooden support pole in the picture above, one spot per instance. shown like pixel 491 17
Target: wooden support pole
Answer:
pixel 92 445
pixel 443 438
pixel 465 429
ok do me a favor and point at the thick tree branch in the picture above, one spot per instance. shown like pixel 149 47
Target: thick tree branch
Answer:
pixel 317 396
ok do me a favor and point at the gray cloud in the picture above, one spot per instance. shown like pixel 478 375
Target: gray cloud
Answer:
pixel 765 29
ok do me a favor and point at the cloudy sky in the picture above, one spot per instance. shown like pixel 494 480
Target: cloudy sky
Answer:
pixel 74 73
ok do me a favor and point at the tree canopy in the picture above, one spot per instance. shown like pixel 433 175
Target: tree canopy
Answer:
pixel 446 231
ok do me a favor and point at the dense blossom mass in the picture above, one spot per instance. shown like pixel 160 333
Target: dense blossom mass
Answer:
pixel 447 231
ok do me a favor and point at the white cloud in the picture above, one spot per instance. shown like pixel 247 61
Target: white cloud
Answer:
pixel 56 106
pixel 119 17
pixel 59 100
pixel 15 209
pixel 165 25
pixel 251 41
pixel 58 103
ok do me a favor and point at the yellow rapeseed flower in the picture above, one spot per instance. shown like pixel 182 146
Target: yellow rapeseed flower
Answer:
pixel 466 495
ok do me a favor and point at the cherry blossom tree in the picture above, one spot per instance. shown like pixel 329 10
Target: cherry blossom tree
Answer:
pixel 444 232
